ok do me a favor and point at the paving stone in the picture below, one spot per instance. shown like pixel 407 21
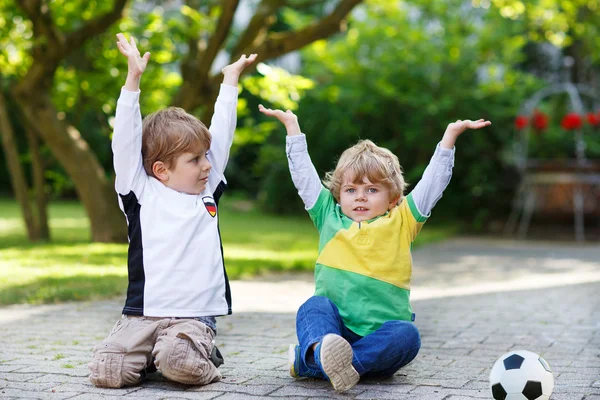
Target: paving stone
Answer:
pixel 471 304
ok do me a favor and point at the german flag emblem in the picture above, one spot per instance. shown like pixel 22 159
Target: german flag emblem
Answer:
pixel 210 205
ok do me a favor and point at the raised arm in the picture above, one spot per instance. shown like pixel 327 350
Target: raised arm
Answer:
pixel 224 119
pixel 437 175
pixel 304 175
pixel 127 137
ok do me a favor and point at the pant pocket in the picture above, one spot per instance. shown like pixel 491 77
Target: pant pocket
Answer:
pixel 185 358
pixel 107 365
pixel 187 354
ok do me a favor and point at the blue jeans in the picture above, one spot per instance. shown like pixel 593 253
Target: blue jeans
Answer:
pixel 379 354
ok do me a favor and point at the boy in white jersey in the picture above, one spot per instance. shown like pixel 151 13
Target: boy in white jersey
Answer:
pixel 169 180
pixel 359 322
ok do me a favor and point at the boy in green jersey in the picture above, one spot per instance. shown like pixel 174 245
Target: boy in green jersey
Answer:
pixel 359 321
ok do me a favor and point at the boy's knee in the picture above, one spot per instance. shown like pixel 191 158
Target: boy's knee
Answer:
pixel 414 334
pixel 405 331
pixel 110 367
pixel 319 302
pixel 186 359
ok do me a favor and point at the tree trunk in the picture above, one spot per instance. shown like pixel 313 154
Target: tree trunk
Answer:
pixel 17 175
pixel 95 190
pixel 39 184
pixel 50 47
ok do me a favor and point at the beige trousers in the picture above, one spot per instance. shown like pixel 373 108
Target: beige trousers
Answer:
pixel 181 349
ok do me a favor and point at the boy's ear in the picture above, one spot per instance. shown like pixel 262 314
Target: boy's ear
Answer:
pixel 160 171
pixel 394 202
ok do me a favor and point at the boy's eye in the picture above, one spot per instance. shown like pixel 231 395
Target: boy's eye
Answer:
pixel 371 190
pixel 195 159
pixel 207 152
pixel 350 190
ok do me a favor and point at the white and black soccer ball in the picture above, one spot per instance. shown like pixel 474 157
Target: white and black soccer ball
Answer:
pixel 521 375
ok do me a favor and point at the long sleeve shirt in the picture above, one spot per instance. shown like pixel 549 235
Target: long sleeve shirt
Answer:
pixel 175 258
pixel 365 269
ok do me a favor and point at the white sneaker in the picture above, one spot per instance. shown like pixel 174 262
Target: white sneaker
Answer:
pixel 335 359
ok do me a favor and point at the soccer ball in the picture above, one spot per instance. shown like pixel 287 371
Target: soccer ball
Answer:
pixel 521 375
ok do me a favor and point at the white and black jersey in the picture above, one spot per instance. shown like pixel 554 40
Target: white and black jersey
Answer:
pixel 175 258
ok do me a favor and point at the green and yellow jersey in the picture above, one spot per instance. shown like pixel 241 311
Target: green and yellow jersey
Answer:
pixel 365 268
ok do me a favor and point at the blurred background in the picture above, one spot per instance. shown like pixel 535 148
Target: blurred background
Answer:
pixel 395 72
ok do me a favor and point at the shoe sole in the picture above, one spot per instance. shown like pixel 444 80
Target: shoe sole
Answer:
pixel 336 361
pixel 292 360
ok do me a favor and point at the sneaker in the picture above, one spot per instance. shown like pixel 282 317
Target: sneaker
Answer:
pixel 334 355
pixel 297 367
pixel 294 360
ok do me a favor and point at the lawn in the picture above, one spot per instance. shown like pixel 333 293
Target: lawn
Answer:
pixel 73 268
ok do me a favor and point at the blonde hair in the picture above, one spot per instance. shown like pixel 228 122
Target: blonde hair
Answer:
pixel 366 159
pixel 168 133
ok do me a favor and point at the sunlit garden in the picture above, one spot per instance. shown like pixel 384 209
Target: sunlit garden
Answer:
pixel 395 72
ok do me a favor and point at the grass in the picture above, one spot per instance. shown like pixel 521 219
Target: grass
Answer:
pixel 73 268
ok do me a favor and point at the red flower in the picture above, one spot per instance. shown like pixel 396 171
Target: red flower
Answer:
pixel 593 119
pixel 521 122
pixel 539 120
pixel 571 121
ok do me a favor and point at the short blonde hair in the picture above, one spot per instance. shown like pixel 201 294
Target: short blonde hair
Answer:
pixel 168 133
pixel 366 159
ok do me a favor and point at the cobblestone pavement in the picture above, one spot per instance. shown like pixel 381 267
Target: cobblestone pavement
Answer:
pixel 475 299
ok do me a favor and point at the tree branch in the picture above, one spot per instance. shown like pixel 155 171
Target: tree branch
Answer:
pixel 94 27
pixel 275 45
pixel 278 44
pixel 205 59
pixel 33 10
pixel 43 27
pixel 195 69
pixel 304 4
pixel 258 26
pixel 52 46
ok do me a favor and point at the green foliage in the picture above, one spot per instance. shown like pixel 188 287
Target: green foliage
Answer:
pixel 15 40
pixel 86 84
pixel 561 23
pixel 277 86
pixel 277 194
pixel 249 164
pixel 398 75
pixel 401 73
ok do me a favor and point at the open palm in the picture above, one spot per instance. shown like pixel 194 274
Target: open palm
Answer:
pixel 287 118
pixel 238 66
pixel 136 63
pixel 460 126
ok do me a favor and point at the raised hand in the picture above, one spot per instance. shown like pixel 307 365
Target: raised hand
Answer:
pixel 287 118
pixel 454 130
pixel 238 66
pixel 232 72
pixel 458 127
pixel 136 63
